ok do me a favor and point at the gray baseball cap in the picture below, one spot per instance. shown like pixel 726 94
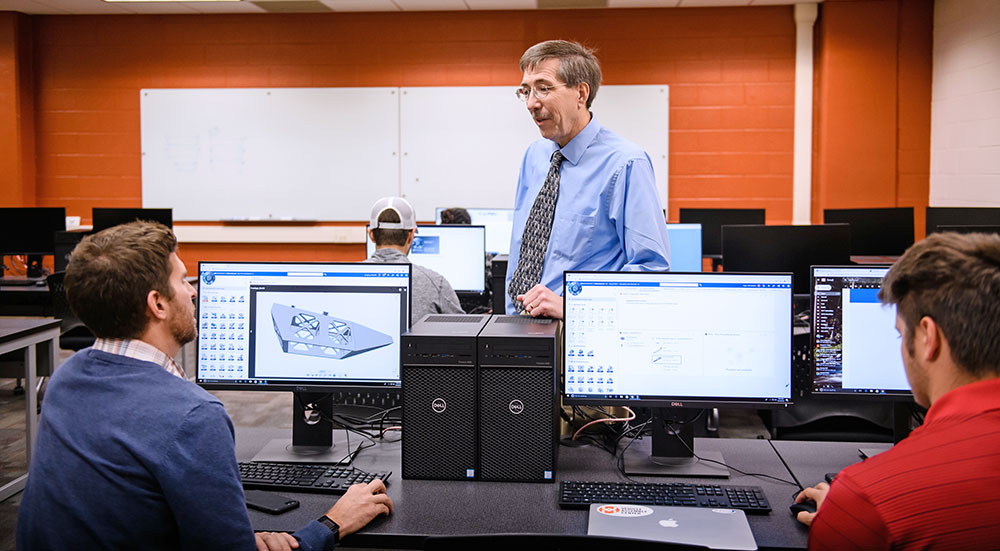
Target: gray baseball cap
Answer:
pixel 408 219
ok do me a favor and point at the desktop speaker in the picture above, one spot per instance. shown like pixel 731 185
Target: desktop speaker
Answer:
pixel 518 402
pixel 439 397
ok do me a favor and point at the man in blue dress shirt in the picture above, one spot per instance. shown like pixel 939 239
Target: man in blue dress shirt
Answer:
pixel 607 213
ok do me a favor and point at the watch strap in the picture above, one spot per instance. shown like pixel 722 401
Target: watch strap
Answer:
pixel 333 526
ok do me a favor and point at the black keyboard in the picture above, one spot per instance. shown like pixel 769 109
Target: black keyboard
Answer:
pixel 304 477
pixel 579 495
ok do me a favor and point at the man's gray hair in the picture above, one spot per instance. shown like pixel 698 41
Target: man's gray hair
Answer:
pixel 576 63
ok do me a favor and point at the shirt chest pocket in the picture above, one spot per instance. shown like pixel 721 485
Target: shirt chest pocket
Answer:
pixel 573 236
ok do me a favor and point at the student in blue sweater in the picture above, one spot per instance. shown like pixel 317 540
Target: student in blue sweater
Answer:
pixel 131 455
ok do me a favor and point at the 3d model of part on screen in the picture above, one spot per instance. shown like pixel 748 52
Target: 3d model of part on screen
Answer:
pixel 319 334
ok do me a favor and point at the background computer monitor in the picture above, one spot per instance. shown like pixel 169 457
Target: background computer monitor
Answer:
pixel 30 231
pixel 785 249
pixel 712 220
pixel 970 229
pixel 311 328
pixel 685 247
pixel 457 252
pixel 961 216
pixel 855 346
pixel 499 225
pixel 874 232
pixel 676 340
pixel 105 218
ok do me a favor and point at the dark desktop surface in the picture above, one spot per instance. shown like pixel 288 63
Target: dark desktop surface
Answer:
pixel 429 507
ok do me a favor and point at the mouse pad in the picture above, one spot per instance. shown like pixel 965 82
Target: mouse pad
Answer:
pixel 712 528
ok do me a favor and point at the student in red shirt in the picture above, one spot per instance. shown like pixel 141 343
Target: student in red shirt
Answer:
pixel 936 488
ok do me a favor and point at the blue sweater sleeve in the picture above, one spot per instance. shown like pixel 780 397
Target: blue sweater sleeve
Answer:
pixel 201 483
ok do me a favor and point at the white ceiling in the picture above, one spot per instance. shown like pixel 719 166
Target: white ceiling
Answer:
pixel 66 7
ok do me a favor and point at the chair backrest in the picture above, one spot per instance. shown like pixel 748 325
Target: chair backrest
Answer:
pixel 60 306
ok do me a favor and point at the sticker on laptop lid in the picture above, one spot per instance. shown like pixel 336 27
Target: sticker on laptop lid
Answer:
pixel 624 510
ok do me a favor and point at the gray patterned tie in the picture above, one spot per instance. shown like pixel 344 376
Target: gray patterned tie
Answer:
pixel 535 239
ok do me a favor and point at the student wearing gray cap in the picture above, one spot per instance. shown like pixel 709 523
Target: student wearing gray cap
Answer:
pixel 393 224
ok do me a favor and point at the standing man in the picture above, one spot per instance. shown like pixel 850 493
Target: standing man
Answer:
pixel 586 198
pixel 935 489
pixel 130 455
pixel 392 226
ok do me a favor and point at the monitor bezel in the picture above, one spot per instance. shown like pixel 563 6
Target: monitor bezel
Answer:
pixel 299 386
pixel 892 396
pixel 368 239
pixel 680 401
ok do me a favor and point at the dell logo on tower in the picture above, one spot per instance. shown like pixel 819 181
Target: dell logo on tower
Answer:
pixel 516 407
pixel 439 405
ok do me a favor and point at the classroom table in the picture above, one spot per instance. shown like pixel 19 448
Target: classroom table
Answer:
pixel 428 507
pixel 38 339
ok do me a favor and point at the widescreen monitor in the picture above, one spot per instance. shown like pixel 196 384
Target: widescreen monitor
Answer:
pixel 961 216
pixel 855 346
pixel 712 220
pixel 105 218
pixel 499 225
pixel 676 340
pixel 30 231
pixel 685 247
pixel 311 328
pixel 456 252
pixel 875 232
pixel 785 249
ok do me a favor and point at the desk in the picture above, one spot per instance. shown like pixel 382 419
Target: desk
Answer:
pixel 426 507
pixel 810 461
pixel 25 300
pixel 29 335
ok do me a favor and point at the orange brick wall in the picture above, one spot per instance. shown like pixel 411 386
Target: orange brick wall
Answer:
pixel 872 106
pixel 731 73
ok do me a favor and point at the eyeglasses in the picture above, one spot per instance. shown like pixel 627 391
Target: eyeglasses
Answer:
pixel 540 91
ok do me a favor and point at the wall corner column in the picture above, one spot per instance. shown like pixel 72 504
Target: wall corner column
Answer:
pixel 17 112
pixel 805 19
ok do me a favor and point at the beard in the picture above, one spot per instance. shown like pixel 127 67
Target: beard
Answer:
pixel 184 327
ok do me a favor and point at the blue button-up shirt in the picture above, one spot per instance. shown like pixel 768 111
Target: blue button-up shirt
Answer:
pixel 608 214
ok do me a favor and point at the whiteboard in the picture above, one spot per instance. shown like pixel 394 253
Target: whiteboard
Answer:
pixel 280 154
pixel 329 153
pixel 464 146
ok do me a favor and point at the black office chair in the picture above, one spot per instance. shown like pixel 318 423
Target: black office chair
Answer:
pixel 73 334
pixel 550 542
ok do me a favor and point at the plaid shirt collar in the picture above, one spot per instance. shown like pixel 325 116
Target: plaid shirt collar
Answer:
pixel 139 350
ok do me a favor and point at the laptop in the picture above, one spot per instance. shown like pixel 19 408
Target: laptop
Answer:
pixel 711 528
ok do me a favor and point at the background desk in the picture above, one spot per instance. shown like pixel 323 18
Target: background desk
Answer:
pixel 428 507
pixel 30 335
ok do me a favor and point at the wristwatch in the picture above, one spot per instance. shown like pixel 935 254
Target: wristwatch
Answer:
pixel 328 522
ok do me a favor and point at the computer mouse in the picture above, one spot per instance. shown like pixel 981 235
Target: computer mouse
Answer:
pixel 807 506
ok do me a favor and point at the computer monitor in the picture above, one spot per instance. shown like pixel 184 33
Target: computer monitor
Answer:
pixel 685 247
pixel 875 232
pixel 30 231
pixel 712 220
pixel 970 229
pixel 961 216
pixel 105 218
pixel 310 328
pixel 785 249
pixel 676 340
pixel 855 346
pixel 499 225
pixel 457 252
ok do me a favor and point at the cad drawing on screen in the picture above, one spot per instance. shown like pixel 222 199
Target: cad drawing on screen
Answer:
pixel 308 333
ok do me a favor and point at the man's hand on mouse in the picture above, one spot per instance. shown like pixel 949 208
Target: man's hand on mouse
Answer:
pixel 817 493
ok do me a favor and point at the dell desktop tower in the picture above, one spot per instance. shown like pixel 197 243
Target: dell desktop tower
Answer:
pixel 518 400
pixel 439 397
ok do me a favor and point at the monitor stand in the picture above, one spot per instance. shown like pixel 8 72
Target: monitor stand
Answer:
pixel 312 435
pixel 672 451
